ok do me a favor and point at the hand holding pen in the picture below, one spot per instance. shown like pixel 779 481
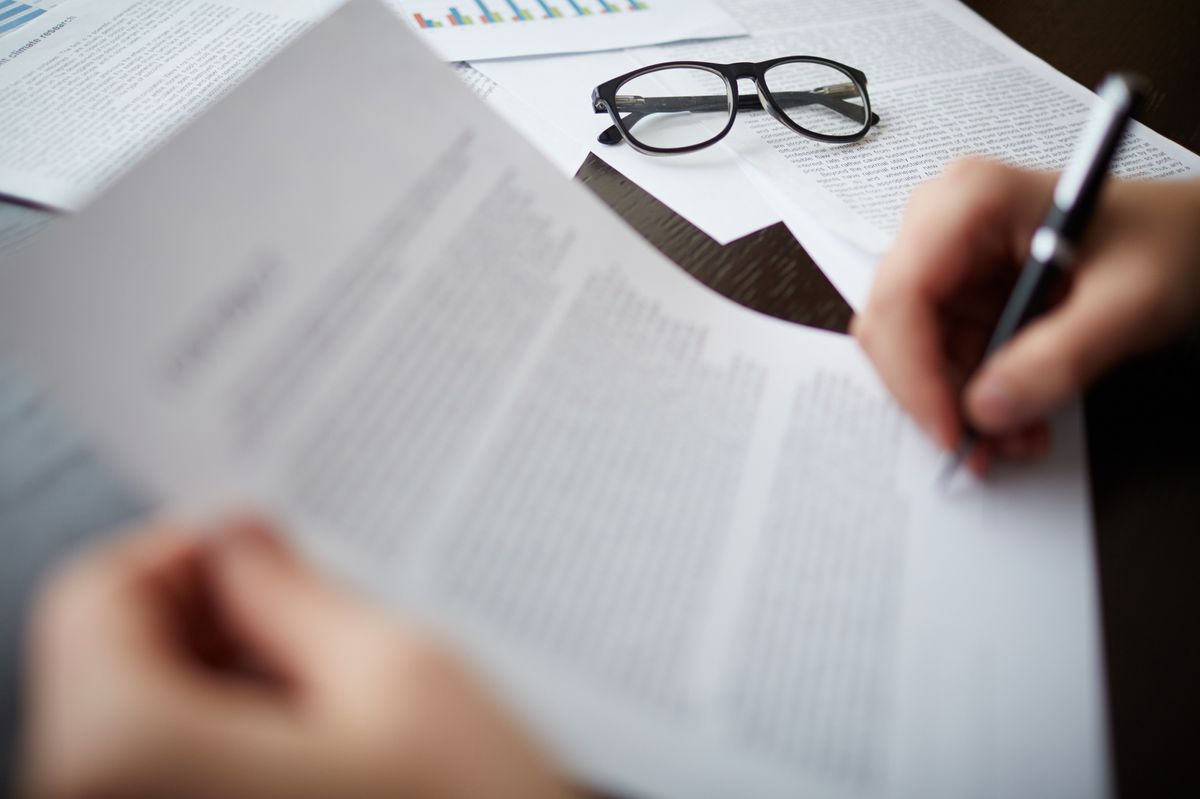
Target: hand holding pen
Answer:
pixel 940 291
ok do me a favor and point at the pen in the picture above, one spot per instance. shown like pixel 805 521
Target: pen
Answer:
pixel 1052 249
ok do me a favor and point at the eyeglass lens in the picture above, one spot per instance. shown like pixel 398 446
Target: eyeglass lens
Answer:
pixel 676 107
pixel 818 98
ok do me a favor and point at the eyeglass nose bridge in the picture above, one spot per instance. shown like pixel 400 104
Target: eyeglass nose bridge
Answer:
pixel 742 70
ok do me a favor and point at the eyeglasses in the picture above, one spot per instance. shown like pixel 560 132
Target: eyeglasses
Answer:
pixel 682 106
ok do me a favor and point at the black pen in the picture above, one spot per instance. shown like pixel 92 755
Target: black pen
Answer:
pixel 1052 249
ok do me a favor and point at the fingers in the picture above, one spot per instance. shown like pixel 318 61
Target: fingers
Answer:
pixel 912 366
pixel 105 605
pixel 959 231
pixel 301 628
pixel 1106 317
pixel 118 701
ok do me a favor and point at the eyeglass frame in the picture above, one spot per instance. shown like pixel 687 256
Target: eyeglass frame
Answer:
pixel 604 100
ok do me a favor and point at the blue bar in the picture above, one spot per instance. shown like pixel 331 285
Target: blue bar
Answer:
pixel 575 6
pixel 457 16
pixel 487 14
pixel 16 23
pixel 12 12
pixel 545 8
pixel 512 4
pixel 4 3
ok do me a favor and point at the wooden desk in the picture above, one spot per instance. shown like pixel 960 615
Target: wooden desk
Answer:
pixel 1144 437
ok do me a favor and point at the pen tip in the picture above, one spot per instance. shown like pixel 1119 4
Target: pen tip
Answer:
pixel 949 468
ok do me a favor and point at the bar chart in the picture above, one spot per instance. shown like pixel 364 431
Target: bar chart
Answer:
pixel 469 30
pixel 14 14
pixel 493 12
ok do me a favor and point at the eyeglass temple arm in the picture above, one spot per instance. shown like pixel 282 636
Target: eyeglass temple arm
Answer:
pixel 832 99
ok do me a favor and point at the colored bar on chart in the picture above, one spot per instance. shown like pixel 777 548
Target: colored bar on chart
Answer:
pixel 522 14
pixel 19 21
pixel 12 12
pixel 488 14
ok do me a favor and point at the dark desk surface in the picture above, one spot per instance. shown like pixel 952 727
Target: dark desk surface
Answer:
pixel 1144 439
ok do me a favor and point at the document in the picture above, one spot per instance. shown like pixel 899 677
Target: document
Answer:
pixel 88 88
pixel 563 151
pixel 474 29
pixel 102 83
pixel 700 550
pixel 945 83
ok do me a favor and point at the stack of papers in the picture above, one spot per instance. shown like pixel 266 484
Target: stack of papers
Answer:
pixel 699 550
pixel 945 83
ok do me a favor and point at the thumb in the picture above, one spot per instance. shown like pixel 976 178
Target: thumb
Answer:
pixel 290 620
pixel 1057 356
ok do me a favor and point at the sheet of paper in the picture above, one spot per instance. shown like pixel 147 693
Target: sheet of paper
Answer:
pixel 563 151
pixel 699 549
pixel 945 83
pixel 710 189
pixel 73 118
pixel 470 30
pixel 88 88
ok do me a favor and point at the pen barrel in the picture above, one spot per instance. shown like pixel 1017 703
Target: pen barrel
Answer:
pixel 1029 298
pixel 1052 251
pixel 1079 186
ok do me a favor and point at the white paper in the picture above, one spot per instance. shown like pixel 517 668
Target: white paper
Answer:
pixel 945 83
pixel 699 549
pixel 469 30
pixel 88 88
pixel 563 151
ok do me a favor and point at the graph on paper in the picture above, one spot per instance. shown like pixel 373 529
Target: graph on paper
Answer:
pixel 16 14
pixel 468 30
pixel 495 13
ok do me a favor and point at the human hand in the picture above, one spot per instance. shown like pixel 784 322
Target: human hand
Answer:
pixel 171 664
pixel 940 289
